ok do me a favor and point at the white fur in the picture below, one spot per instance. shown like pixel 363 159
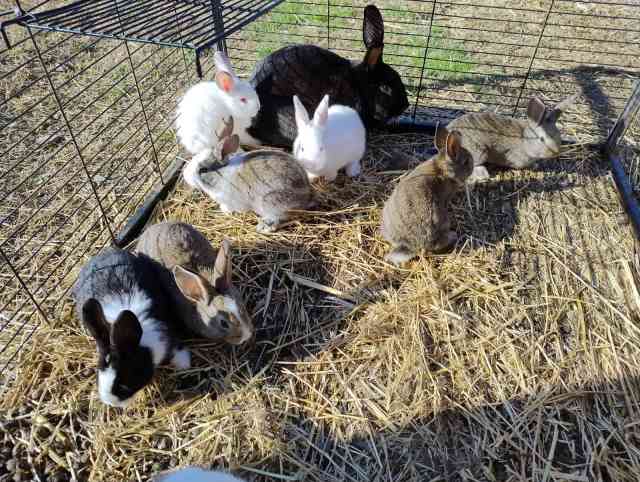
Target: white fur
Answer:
pixel 335 138
pixel 203 108
pixel 231 306
pixel 196 474
pixel 106 378
pixel 181 359
pixel 138 303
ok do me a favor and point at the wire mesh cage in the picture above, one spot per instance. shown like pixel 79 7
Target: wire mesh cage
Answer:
pixel 89 91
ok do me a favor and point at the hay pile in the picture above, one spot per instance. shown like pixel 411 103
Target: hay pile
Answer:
pixel 513 358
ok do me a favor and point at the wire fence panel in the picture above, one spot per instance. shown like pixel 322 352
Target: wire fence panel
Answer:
pixel 477 55
pixel 85 133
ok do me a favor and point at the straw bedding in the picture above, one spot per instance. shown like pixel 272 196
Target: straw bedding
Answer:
pixel 512 358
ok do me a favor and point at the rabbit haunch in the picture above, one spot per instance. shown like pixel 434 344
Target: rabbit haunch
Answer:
pixel 203 108
pixel 118 301
pixel 371 87
pixel 333 139
pixel 505 141
pixel 198 280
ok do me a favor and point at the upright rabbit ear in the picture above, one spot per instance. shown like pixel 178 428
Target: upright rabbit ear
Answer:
pixel 230 145
pixel 322 112
pixel 225 81
pixel 190 285
pixel 223 64
pixel 536 110
pixel 302 116
pixel 222 268
pixel 95 322
pixel 126 332
pixel 440 140
pixel 454 144
pixel 373 35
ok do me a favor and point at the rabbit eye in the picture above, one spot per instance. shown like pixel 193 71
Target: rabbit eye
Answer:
pixel 224 323
pixel 243 100
pixel 385 89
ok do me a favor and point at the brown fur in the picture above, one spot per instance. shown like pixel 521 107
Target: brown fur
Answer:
pixel 416 216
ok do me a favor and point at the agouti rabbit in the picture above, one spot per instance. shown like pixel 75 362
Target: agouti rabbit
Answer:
pixel 198 280
pixel 333 139
pixel 204 107
pixel 509 142
pixel 416 216
pixel 371 87
pixel 124 309
pixel 195 474
pixel 268 182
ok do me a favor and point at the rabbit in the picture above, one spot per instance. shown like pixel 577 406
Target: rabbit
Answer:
pixel 201 111
pixel 416 215
pixel 505 141
pixel 335 138
pixel 195 474
pixel 371 87
pixel 269 182
pixel 121 305
pixel 198 280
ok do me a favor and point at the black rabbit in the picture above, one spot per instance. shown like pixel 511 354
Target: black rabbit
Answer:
pixel 371 87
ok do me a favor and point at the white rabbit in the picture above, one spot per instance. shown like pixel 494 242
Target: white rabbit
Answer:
pixel 195 474
pixel 334 139
pixel 206 104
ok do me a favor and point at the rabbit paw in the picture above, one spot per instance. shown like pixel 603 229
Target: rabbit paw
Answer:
pixel 224 208
pixel 181 359
pixel 399 256
pixel 479 173
pixel 353 169
pixel 266 226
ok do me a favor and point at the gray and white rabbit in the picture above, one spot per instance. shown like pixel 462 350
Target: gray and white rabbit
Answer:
pixel 124 309
pixel 198 280
pixel 269 182
pixel 205 105
pixel 334 139
pixel 509 142
pixel 416 215
pixel 195 474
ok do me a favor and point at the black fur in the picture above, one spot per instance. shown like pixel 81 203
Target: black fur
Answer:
pixel 375 91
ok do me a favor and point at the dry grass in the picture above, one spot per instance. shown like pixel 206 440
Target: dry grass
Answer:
pixel 513 358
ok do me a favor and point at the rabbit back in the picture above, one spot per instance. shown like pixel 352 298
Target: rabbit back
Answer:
pixel 264 181
pixel 174 243
pixel 345 137
pixel 416 214
pixel 493 138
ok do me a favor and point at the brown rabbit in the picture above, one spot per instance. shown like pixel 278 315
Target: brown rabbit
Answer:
pixel 269 182
pixel 198 280
pixel 416 216
pixel 505 141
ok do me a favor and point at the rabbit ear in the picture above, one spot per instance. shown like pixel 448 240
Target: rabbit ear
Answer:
pixel 225 81
pixel 440 140
pixel 536 110
pixel 126 332
pixel 222 268
pixel 95 322
pixel 454 144
pixel 302 116
pixel 230 145
pixel 190 284
pixel 223 64
pixel 372 28
pixel 322 112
